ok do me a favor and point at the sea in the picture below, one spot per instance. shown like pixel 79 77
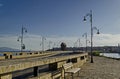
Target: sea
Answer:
pixel 112 55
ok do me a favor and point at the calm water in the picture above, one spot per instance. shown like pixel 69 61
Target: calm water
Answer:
pixel 1 54
pixel 113 55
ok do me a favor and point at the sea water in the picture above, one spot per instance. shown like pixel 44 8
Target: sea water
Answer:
pixel 112 55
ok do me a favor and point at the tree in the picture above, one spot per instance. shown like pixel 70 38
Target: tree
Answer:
pixel 63 46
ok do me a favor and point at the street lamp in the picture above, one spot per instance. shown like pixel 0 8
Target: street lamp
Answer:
pixel 79 42
pixel 41 46
pixel 20 38
pixel 54 45
pixel 90 15
pixel 75 44
pixel 85 35
pixel 43 39
pixel 50 42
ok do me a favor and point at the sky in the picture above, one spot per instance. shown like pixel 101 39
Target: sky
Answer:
pixel 58 21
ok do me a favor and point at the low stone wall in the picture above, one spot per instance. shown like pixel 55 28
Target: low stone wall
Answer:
pixel 9 55
pixel 77 62
pixel 6 76
pixel 30 55
pixel 57 62
pixel 2 57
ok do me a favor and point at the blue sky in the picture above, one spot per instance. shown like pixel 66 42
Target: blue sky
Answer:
pixel 58 19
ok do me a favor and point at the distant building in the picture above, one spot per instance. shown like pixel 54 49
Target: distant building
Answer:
pixel 105 49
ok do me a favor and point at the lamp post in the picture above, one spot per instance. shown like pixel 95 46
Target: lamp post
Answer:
pixel 85 35
pixel 43 39
pixel 50 42
pixel 23 30
pixel 75 45
pixel 79 42
pixel 90 15
pixel 40 46
pixel 54 45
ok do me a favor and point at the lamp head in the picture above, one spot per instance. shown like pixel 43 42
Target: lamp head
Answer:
pixel 98 32
pixel 17 39
pixel 23 46
pixel 84 18
pixel 25 31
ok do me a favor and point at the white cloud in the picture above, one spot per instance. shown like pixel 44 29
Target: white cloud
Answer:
pixel 107 39
pixel 33 41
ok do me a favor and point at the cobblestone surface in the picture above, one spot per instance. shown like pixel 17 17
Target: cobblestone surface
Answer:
pixel 102 68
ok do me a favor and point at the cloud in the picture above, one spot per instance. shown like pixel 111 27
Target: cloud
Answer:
pixel 107 39
pixel 33 42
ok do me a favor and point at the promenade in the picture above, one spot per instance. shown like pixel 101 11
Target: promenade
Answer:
pixel 31 66
pixel 102 68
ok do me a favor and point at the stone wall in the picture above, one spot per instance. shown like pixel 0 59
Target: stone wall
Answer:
pixel 77 62
pixel 9 55
pixel 21 64
pixel 2 57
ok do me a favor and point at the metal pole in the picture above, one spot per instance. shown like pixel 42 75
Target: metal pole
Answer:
pixel 91 36
pixel 86 41
pixel 22 39
pixel 85 35
pixel 49 45
pixel 79 42
pixel 42 43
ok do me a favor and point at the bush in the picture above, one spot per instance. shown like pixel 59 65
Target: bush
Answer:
pixel 96 53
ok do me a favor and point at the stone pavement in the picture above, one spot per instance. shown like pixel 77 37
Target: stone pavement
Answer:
pixel 102 68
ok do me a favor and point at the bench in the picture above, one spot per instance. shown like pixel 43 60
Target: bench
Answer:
pixel 68 68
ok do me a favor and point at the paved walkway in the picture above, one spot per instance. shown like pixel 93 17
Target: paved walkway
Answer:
pixel 102 68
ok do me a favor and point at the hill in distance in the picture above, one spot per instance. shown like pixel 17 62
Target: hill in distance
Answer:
pixel 6 49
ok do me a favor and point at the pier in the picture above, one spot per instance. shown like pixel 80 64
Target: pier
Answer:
pixel 53 61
